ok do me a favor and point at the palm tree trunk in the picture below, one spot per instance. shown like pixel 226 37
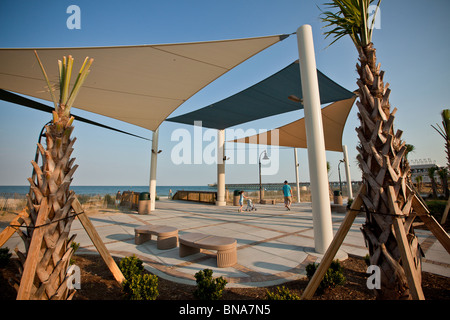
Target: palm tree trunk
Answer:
pixel 47 239
pixel 443 176
pixel 49 206
pixel 431 172
pixel 381 159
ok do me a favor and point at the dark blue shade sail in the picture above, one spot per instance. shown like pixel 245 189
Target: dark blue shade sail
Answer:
pixel 266 98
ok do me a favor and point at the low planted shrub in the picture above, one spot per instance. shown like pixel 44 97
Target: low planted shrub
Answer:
pixel 281 294
pixel 332 278
pixel 75 246
pixel 5 256
pixel 131 266
pixel 141 287
pixel 83 198
pixel 437 208
pixel 349 203
pixel 137 285
pixel 367 259
pixel 109 200
pixel 209 288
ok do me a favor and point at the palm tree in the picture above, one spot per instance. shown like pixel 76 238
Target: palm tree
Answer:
pixel 48 247
pixel 431 172
pixel 381 152
pixel 444 131
pixel 409 148
pixel 443 174
pixel 419 180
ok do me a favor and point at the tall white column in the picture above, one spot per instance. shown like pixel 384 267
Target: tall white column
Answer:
pixel 296 175
pixel 154 159
pixel 321 209
pixel 347 172
pixel 221 168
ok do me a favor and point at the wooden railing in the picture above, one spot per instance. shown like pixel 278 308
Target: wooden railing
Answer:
pixel 197 196
pixel 130 199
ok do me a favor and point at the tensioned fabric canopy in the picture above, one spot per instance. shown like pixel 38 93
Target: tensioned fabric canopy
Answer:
pixel 267 98
pixel 141 85
pixel 19 100
pixel 293 134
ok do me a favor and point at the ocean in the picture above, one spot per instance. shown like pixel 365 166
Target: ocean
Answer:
pixel 112 190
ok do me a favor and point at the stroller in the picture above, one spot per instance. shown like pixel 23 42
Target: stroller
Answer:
pixel 250 205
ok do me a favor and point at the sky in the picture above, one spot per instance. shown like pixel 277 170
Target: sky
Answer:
pixel 412 46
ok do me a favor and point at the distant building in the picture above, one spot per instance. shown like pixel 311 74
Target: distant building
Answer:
pixel 422 170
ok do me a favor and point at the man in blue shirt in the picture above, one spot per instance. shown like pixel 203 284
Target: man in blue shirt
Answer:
pixel 287 195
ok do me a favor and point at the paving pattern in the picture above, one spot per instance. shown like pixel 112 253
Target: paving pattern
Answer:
pixel 273 245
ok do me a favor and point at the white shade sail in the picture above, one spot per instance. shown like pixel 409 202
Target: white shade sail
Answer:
pixel 141 85
pixel 293 134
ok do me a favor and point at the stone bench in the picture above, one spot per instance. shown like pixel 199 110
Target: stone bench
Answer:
pixel 167 237
pixel 265 201
pixel 191 243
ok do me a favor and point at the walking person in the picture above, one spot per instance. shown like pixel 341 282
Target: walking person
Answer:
pixel 241 200
pixel 118 198
pixel 287 192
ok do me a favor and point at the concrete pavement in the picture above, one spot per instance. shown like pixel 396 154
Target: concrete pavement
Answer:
pixel 274 245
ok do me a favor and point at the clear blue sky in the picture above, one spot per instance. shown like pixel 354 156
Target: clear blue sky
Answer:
pixel 412 47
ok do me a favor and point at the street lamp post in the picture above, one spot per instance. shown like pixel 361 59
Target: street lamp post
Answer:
pixel 339 171
pixel 260 184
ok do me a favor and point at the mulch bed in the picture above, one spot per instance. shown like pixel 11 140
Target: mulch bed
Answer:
pixel 97 283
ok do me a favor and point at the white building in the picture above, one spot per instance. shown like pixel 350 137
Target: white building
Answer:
pixel 422 170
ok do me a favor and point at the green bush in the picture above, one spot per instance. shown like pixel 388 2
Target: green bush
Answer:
pixel 5 256
pixel 75 246
pixel 349 203
pixel 141 287
pixel 367 259
pixel 209 288
pixel 131 266
pixel 281 294
pixel 332 278
pixel 137 285
pixel 83 198
pixel 437 208
pixel 109 200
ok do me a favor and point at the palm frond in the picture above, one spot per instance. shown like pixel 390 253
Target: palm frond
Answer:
pixel 65 66
pixel 446 121
pixel 68 64
pixel 440 131
pixel 349 17
pixel 372 23
pixel 444 131
pixel 82 75
pixel 55 102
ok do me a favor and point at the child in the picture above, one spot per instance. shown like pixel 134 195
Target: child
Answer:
pixel 241 200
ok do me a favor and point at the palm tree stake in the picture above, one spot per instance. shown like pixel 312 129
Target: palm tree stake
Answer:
pixel 387 199
pixel 51 206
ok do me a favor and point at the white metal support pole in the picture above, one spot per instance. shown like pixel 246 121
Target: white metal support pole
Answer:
pixel 154 159
pixel 321 209
pixel 347 172
pixel 221 168
pixel 296 175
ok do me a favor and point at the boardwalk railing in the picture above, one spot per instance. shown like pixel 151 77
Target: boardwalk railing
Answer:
pixel 197 196
pixel 130 199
